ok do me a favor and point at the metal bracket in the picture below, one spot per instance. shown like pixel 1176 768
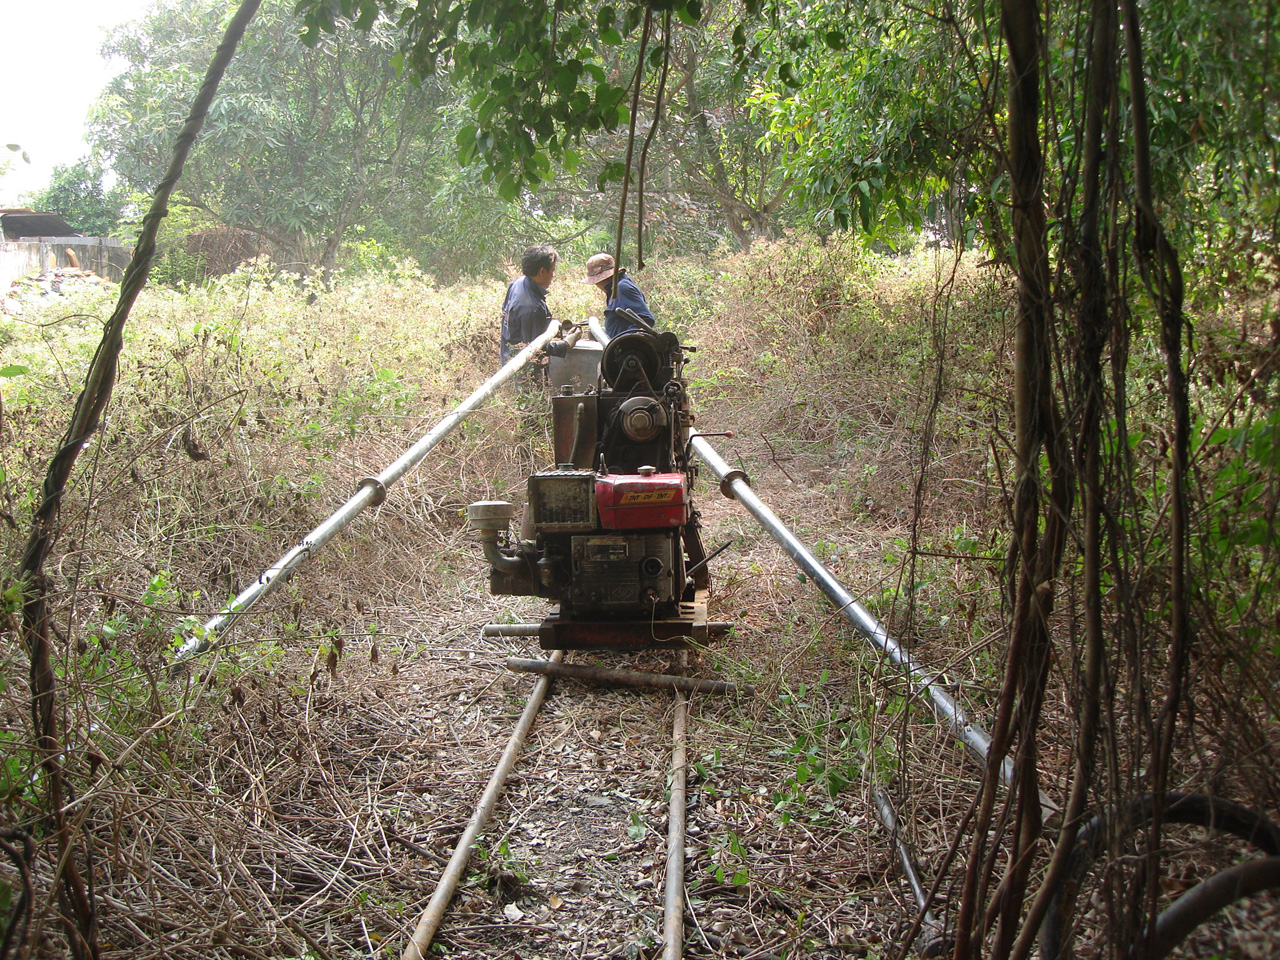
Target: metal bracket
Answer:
pixel 379 491
pixel 727 481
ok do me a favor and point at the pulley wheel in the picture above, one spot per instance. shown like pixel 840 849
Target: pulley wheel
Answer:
pixel 632 355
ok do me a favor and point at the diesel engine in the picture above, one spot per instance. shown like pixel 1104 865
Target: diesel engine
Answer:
pixel 611 534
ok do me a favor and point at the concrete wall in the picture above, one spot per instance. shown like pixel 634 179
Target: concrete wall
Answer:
pixel 24 258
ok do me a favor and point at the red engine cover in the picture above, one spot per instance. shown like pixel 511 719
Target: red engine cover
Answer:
pixel 631 501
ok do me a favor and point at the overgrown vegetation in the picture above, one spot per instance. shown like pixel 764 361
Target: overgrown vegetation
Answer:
pixel 1067 457
pixel 249 407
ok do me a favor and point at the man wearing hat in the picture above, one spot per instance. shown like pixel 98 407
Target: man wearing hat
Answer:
pixel 621 296
pixel 525 313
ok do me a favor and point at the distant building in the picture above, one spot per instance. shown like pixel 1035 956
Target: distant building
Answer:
pixel 29 225
pixel 34 243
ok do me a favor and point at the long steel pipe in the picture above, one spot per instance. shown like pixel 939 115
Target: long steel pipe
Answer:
pixel 429 922
pixel 511 629
pixel 371 492
pixel 933 938
pixel 733 484
pixel 673 901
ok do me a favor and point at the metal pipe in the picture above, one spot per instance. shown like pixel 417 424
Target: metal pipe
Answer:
pixel 573 335
pixel 429 922
pixel 673 902
pixel 499 560
pixel 371 492
pixel 579 434
pixel 511 629
pixel 627 678
pixel 734 485
pixel 934 933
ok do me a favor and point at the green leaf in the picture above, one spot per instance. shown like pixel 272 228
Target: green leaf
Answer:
pixel 466 140
pixel 608 173
pixel 611 36
pixel 689 13
pixel 13 370
pixel 368 14
pixel 508 188
pixel 567 77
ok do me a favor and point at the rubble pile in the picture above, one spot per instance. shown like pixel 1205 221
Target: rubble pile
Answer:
pixel 58 282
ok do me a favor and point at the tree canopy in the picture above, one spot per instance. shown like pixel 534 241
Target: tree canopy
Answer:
pixel 303 142
pixel 79 194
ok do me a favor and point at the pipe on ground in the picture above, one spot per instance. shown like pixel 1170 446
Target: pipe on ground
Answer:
pixel 673 901
pixel 429 922
pixel 734 485
pixel 715 628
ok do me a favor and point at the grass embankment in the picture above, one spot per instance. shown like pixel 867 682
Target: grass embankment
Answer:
pixel 870 403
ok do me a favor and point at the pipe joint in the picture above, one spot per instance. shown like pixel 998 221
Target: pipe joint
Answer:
pixel 499 560
pixel 729 479
pixel 379 489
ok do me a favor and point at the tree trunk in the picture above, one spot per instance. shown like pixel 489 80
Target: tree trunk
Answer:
pixel 1036 559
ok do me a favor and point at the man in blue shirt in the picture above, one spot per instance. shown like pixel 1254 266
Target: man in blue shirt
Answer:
pixel 618 296
pixel 525 313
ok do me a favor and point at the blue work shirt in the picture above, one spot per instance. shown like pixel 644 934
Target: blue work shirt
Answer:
pixel 525 314
pixel 628 297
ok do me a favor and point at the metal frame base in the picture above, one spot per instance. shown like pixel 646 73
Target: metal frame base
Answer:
pixel 673 632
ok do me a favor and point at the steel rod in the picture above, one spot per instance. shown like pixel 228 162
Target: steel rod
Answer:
pixel 734 484
pixel 429 922
pixel 511 629
pixel 933 933
pixel 371 492
pixel 673 903
pixel 627 678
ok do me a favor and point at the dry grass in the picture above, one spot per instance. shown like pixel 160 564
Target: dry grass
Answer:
pixel 297 794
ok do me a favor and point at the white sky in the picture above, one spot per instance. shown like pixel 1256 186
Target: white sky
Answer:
pixel 50 71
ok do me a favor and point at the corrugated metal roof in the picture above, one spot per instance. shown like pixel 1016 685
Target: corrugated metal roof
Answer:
pixel 19 225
